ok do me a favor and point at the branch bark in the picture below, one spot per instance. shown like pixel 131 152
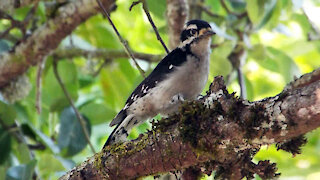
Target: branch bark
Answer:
pixel 219 131
pixel 103 54
pixel 46 38
pixel 177 15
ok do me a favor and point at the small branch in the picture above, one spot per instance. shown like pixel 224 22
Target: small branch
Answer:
pixel 71 52
pixel 207 10
pixel 105 62
pixel 39 85
pixel 124 43
pixel 146 10
pixel 78 115
pixel 225 7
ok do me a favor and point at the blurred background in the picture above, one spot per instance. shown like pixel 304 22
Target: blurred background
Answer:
pixel 260 47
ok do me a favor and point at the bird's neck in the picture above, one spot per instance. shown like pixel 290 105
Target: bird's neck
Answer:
pixel 201 48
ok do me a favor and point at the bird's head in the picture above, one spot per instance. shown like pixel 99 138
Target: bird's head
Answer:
pixel 196 32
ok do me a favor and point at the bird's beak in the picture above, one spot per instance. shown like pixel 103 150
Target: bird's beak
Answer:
pixel 209 33
pixel 206 32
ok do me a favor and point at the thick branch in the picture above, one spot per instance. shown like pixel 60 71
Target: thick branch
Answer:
pixel 218 128
pixel 103 54
pixel 46 38
pixel 177 14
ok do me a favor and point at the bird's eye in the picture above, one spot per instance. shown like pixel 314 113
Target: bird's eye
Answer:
pixel 193 31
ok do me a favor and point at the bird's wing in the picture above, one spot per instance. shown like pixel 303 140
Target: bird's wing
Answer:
pixel 167 65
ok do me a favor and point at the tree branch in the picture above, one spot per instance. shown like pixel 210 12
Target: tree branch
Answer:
pixel 72 52
pixel 177 15
pixel 46 38
pixel 219 131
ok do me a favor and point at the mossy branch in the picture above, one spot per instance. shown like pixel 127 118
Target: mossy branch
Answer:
pixel 218 132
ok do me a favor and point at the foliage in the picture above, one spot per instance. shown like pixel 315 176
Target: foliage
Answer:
pixel 276 39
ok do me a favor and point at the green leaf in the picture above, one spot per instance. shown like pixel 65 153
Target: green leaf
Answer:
pixel 238 5
pixel 48 163
pixel 71 136
pixel 52 94
pixel 4 45
pixel 158 8
pixel 286 66
pixel 98 33
pixel 255 10
pixel 97 113
pixel 269 10
pixel 5 144
pixel 258 51
pixel 22 153
pixel 7 113
pixel 116 86
pixel 260 12
pixel 21 172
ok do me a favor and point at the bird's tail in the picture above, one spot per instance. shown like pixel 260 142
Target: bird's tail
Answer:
pixel 121 132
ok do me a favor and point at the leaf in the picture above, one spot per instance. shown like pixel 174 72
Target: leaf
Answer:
pixel 7 113
pixel 238 5
pixel 97 113
pixel 22 152
pixel 258 52
pixel 49 163
pixel 71 137
pixel 52 94
pixel 287 67
pixel 5 144
pixel 158 8
pixel 260 12
pixel 255 10
pixel 116 86
pixel 98 33
pixel 269 10
pixel 21 172
pixel 47 141
pixel 4 45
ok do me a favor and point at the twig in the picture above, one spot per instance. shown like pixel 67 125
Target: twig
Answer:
pixel 224 5
pixel 243 87
pixel 124 43
pixel 39 85
pixel 105 62
pixel 207 10
pixel 146 10
pixel 19 24
pixel 78 115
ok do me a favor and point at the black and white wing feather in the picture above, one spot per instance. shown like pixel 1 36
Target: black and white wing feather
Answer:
pixel 167 65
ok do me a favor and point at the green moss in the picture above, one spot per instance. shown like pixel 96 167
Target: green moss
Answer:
pixel 98 160
pixel 128 148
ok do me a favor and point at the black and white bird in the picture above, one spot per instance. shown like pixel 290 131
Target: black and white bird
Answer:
pixel 181 75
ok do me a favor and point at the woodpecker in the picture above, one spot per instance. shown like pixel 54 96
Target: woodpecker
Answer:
pixel 179 76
